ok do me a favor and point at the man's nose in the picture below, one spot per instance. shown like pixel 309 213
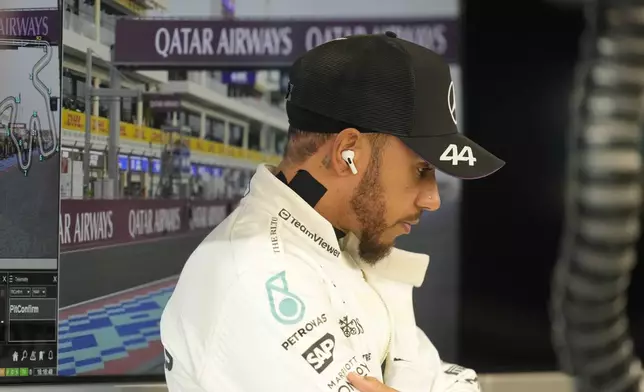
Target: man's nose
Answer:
pixel 429 199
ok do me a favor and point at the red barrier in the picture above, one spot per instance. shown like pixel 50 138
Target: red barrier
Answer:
pixel 89 223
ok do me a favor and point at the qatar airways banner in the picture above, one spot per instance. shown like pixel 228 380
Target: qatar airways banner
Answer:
pixel 259 44
pixel 91 223
pixel 31 24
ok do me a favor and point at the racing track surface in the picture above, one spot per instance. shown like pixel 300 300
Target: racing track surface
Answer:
pixel 111 301
pixel 93 273
pixel 29 209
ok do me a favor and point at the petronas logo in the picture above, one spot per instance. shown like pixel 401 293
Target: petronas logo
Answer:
pixel 286 307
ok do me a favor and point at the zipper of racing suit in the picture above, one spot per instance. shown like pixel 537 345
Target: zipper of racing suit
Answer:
pixel 338 302
pixel 382 360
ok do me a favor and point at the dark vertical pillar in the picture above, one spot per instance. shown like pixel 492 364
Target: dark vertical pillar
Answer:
pixel 518 66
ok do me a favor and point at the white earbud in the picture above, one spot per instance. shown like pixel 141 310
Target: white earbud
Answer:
pixel 348 155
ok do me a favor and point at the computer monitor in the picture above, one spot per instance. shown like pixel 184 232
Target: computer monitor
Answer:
pixel 30 104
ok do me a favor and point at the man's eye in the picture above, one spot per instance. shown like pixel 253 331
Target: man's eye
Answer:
pixel 424 171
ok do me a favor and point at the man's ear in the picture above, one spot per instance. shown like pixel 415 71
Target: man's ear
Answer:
pixel 347 139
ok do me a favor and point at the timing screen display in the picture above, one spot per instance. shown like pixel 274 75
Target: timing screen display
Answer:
pixel 30 116
pixel 28 320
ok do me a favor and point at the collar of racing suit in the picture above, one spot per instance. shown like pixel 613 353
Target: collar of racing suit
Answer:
pixel 400 265
pixel 294 203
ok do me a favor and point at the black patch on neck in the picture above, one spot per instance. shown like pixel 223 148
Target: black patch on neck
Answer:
pixel 339 234
pixel 309 189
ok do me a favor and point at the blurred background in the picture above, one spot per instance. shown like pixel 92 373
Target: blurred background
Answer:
pixel 533 280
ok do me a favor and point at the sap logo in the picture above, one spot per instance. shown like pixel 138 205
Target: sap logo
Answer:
pixel 301 332
pixel 320 354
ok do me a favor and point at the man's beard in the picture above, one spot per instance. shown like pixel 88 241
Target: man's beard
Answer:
pixel 368 203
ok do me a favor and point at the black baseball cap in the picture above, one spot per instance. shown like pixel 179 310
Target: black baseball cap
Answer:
pixel 381 83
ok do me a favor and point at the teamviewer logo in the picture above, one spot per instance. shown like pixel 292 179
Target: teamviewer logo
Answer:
pixel 284 214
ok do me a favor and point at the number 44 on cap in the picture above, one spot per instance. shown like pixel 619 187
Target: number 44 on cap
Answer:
pixel 451 153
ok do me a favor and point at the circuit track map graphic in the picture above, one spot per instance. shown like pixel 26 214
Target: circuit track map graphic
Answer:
pixel 30 106
pixel 24 143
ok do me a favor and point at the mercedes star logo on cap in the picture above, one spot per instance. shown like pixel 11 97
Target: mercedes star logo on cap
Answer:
pixel 451 102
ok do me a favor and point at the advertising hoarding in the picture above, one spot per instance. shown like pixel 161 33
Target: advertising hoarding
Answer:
pixel 90 223
pixel 259 44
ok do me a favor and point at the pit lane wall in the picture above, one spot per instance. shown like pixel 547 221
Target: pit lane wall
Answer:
pixel 86 224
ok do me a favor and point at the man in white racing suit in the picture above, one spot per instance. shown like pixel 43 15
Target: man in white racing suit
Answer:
pixel 300 288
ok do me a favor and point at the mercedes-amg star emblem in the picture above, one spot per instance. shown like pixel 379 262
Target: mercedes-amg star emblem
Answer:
pixel 451 101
